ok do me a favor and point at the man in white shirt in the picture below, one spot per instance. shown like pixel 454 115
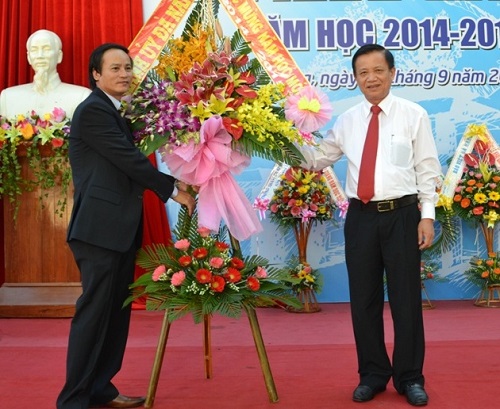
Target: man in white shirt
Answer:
pixel 47 91
pixel 388 232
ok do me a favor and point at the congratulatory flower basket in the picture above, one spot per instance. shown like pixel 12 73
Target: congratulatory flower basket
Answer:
pixel 200 274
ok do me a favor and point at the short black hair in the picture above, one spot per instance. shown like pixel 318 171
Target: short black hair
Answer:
pixel 370 48
pixel 95 61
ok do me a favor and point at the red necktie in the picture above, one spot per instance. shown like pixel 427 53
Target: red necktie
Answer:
pixel 366 179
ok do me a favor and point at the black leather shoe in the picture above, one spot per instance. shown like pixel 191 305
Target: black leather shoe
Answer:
pixel 415 394
pixel 364 393
pixel 122 401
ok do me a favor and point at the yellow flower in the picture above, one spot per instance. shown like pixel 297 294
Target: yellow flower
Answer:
pixel 309 278
pixel 494 196
pixel 303 189
pixel 480 198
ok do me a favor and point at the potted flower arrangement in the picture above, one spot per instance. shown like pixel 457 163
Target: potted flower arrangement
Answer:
pixel 43 140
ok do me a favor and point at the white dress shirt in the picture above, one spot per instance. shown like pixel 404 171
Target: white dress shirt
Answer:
pixel 407 161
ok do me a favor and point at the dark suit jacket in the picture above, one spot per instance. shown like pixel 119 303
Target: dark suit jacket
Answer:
pixel 109 176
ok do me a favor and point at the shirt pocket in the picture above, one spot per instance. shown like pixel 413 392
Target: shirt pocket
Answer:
pixel 401 151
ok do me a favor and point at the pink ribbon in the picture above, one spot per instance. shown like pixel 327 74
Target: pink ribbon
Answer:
pixel 343 206
pixel 210 164
pixel 261 205
pixel 307 214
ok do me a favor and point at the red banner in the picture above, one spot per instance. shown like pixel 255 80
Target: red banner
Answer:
pixel 247 17
pixel 265 43
pixel 154 35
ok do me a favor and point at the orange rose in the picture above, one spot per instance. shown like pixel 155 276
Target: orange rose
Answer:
pixel 465 203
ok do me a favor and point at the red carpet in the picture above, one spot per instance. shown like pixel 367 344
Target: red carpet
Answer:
pixel 312 359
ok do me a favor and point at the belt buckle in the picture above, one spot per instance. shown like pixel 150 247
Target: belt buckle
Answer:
pixel 385 206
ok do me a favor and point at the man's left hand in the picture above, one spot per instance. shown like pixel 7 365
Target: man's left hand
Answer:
pixel 425 233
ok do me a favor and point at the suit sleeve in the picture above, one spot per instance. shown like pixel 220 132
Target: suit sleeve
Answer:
pixel 104 131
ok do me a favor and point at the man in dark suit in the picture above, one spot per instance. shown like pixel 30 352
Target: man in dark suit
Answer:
pixel 109 175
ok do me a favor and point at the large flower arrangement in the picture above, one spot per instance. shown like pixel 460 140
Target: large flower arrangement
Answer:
pixel 201 275
pixel 198 78
pixel 302 199
pixel 209 107
pixel 477 197
pixel 43 139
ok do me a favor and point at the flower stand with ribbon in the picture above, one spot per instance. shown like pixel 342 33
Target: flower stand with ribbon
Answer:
pixel 208 108
pixel 301 199
pixel 199 274
pixel 473 181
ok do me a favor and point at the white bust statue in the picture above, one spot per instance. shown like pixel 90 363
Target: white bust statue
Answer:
pixel 47 91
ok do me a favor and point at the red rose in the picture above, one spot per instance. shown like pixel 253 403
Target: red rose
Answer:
pixel 253 283
pixel 217 284
pixel 203 276
pixel 200 253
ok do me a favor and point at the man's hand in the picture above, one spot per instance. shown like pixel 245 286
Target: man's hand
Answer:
pixel 425 233
pixel 186 188
pixel 185 199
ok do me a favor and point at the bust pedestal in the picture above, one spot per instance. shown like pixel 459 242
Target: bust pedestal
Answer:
pixel 41 276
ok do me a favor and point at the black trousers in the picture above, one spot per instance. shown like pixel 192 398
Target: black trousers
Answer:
pixel 99 328
pixel 374 243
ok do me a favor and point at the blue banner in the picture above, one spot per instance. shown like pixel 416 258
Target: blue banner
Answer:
pixel 447 60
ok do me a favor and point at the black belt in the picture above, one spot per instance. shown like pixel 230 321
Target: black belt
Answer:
pixel 384 205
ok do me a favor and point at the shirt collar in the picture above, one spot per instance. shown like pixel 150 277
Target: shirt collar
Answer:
pixel 115 101
pixel 385 105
